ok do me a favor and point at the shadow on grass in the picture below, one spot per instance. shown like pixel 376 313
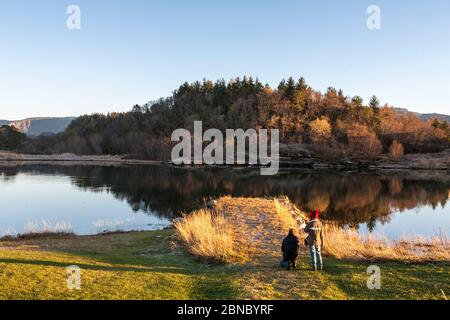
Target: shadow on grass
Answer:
pixel 94 267
pixel 139 253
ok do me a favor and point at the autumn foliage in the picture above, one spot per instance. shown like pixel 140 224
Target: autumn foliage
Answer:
pixel 331 121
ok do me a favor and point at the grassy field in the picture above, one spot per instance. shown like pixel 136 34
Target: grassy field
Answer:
pixel 150 265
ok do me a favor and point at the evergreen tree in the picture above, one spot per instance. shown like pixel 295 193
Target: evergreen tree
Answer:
pixel 374 104
pixel 436 123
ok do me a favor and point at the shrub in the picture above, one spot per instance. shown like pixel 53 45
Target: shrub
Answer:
pixel 320 130
pixel 396 149
pixel 361 140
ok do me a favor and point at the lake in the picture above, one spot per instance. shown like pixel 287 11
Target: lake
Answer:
pixel 91 198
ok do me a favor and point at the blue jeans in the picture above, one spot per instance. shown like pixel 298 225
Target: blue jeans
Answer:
pixel 316 258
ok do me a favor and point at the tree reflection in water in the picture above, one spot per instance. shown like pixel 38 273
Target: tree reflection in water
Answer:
pixel 349 198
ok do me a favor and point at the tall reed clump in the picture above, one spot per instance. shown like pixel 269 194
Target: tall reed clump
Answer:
pixel 35 229
pixel 208 235
pixel 288 214
pixel 349 244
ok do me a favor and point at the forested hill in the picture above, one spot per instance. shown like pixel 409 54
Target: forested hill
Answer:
pixel 328 124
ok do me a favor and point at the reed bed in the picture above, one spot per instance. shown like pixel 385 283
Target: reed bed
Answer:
pixel 40 229
pixel 348 244
pixel 209 236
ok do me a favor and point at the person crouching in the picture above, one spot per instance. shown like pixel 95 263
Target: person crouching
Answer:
pixel 290 247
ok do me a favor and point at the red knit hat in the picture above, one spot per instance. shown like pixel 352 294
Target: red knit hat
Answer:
pixel 314 214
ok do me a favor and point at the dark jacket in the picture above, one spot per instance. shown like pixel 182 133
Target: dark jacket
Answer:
pixel 315 233
pixel 290 247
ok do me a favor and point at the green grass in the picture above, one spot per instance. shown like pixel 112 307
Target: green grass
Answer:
pixel 147 265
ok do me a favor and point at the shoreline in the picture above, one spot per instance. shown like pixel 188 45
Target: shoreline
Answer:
pixel 435 162
pixel 274 216
pixel 155 265
pixel 71 158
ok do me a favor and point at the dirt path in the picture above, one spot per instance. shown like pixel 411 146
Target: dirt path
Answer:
pixel 262 231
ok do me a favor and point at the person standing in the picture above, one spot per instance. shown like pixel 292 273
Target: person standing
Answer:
pixel 315 240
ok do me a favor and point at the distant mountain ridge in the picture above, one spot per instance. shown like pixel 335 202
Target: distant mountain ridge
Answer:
pixel 36 126
pixel 425 116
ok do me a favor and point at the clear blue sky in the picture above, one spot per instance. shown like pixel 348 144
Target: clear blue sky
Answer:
pixel 130 52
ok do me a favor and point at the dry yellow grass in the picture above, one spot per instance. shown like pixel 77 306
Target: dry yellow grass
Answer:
pixel 251 229
pixel 350 245
pixel 289 216
pixel 209 236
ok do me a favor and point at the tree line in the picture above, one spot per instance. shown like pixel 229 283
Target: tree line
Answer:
pixel 328 124
pixel 11 138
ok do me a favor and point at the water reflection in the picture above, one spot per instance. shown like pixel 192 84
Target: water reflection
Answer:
pixel 346 197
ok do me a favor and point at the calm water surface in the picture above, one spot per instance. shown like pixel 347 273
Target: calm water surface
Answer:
pixel 94 199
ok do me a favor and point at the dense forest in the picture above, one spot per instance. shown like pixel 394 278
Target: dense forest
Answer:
pixel 328 124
